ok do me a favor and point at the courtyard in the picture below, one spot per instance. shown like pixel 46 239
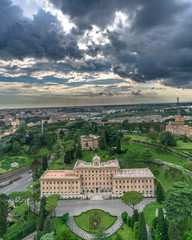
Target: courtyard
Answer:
pixel 114 206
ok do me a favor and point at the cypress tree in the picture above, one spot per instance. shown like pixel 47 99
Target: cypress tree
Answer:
pixel 42 214
pixel 3 217
pixel 135 217
pixel 47 226
pixel 142 231
pixel 78 152
pixel 162 225
pixel 118 147
pixel 67 158
pixel 102 142
pixel 160 193
pixel 44 163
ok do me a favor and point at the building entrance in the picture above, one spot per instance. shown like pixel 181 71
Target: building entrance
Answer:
pixel 97 190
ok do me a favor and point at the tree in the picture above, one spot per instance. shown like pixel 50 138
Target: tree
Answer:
pixel 52 202
pixel 79 152
pixel 16 147
pixel 118 147
pixel 34 203
pixel 178 202
pixel 21 210
pixel 135 230
pixel 67 157
pixel 153 135
pixel 102 142
pixel 24 195
pixel 47 225
pixel 124 216
pixel 135 218
pixel 4 197
pixel 160 193
pixel 36 170
pixel 132 198
pixel 188 235
pixel 13 196
pixel 146 155
pixel 3 217
pixel 173 231
pixel 66 235
pixel 167 138
pixel 162 225
pixel 49 236
pixel 44 163
pixel 142 231
pixel 42 213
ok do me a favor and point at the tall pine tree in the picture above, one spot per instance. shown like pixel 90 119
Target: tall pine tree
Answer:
pixel 3 217
pixel 160 193
pixel 142 231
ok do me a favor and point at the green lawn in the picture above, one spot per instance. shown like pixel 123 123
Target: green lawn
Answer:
pixel 125 232
pixel 149 212
pixel 183 145
pixel 166 182
pixel 83 220
pixel 164 157
pixel 33 185
pixel 22 160
pixel 59 226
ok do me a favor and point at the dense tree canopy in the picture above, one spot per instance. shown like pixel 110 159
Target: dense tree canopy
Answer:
pixel 167 138
pixel 178 202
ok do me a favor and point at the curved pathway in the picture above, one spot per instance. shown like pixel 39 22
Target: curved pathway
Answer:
pixel 88 236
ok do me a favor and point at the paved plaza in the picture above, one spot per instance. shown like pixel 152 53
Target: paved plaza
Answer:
pixel 114 206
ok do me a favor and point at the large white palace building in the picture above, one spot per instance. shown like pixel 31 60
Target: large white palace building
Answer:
pixel 97 177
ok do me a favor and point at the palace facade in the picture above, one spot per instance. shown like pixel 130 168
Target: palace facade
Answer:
pixel 97 177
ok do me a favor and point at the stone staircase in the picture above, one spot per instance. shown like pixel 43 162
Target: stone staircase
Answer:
pixel 88 236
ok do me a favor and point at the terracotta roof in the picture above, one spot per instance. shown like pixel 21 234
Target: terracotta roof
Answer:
pixel 60 174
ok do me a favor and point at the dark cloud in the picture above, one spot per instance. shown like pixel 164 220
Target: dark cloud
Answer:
pixel 156 43
pixel 135 93
pixel 40 37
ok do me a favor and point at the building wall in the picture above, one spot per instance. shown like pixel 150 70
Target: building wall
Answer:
pixel 90 141
pixel 143 185
pixel 67 188
pixel 97 180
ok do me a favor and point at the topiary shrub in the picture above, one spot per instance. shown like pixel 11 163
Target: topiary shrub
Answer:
pixel 65 217
pixel 129 221
pixel 124 216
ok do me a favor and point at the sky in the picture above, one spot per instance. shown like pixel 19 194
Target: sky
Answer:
pixel 89 52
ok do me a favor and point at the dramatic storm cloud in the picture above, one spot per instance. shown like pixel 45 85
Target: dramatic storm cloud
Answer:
pixel 125 48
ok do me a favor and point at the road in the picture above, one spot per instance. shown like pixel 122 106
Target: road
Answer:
pixel 19 185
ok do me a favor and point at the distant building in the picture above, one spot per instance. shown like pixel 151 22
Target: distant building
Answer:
pixel 89 141
pixel 179 128
pixel 97 177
